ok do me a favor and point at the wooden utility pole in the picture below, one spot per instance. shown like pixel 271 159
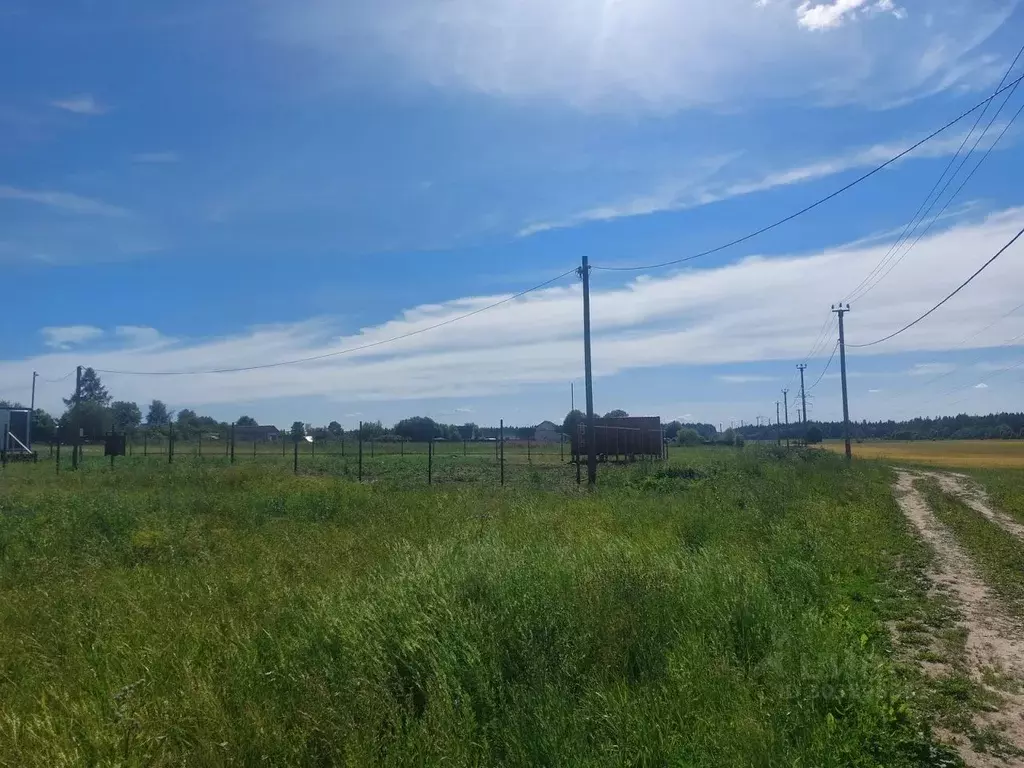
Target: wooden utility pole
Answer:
pixel 31 409
pixel 803 392
pixel 841 310
pixel 76 421
pixel 785 401
pixel 584 273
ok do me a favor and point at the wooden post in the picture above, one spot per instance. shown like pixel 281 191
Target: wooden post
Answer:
pixel 296 454
pixel 430 462
pixel 501 443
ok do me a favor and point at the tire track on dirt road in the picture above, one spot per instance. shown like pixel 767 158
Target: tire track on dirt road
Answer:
pixel 994 641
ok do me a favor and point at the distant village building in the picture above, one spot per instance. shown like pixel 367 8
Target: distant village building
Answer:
pixel 257 434
pixel 547 432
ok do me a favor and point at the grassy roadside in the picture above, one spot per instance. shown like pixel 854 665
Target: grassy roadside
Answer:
pixel 1005 487
pixel 998 553
pixel 728 609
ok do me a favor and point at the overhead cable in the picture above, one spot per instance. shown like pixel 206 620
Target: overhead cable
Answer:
pixel 959 288
pixel 821 201
pixel 350 350
pixel 928 203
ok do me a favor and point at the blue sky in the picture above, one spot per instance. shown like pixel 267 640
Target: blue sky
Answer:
pixel 190 185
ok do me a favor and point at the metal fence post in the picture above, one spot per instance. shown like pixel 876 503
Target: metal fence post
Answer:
pixel 200 444
pixel 170 445
pixel 145 444
pixel 296 454
pixel 529 454
pixel 373 449
pixel 430 462
pixel 360 451
pixel 501 444
pixel 312 449
pixel 403 446
pixel 231 442
pixel 283 443
pixel 58 455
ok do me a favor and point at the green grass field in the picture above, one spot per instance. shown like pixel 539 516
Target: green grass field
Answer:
pixel 724 609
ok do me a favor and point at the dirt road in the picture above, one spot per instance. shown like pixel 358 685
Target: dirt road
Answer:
pixel 994 639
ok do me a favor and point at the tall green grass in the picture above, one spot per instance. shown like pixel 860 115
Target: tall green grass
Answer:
pixel 722 610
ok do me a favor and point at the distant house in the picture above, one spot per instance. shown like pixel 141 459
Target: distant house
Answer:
pixel 547 432
pixel 257 434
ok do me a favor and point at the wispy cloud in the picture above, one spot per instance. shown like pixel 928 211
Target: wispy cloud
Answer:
pixel 931 369
pixel 81 104
pixel 140 335
pixel 658 54
pixel 745 379
pixel 65 337
pixel 65 201
pixel 650 322
pixel 156 158
pixel 677 196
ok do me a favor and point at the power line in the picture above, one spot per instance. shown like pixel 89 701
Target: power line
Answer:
pixel 897 261
pixel 965 340
pixel 827 366
pixel 821 201
pixel 922 212
pixel 350 350
pixel 67 375
pixel 959 288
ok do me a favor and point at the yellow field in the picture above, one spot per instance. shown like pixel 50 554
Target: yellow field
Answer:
pixel 996 454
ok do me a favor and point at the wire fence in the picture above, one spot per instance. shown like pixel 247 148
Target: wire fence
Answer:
pixel 497 461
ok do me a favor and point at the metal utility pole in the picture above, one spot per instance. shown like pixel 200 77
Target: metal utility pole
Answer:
pixel 32 409
pixel 778 425
pixel 75 421
pixel 803 392
pixel 841 310
pixel 572 395
pixel 584 273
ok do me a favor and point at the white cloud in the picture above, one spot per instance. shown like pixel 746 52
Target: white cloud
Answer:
pixel 753 310
pixel 65 337
pixel 831 15
pixel 931 369
pixel 155 158
pixel 662 54
pixel 745 379
pixel 81 104
pixel 65 201
pixel 691 193
pixel 981 386
pixel 139 335
pixel 874 391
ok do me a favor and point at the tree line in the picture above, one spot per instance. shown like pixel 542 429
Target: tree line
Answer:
pixel 96 413
pixel 994 426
